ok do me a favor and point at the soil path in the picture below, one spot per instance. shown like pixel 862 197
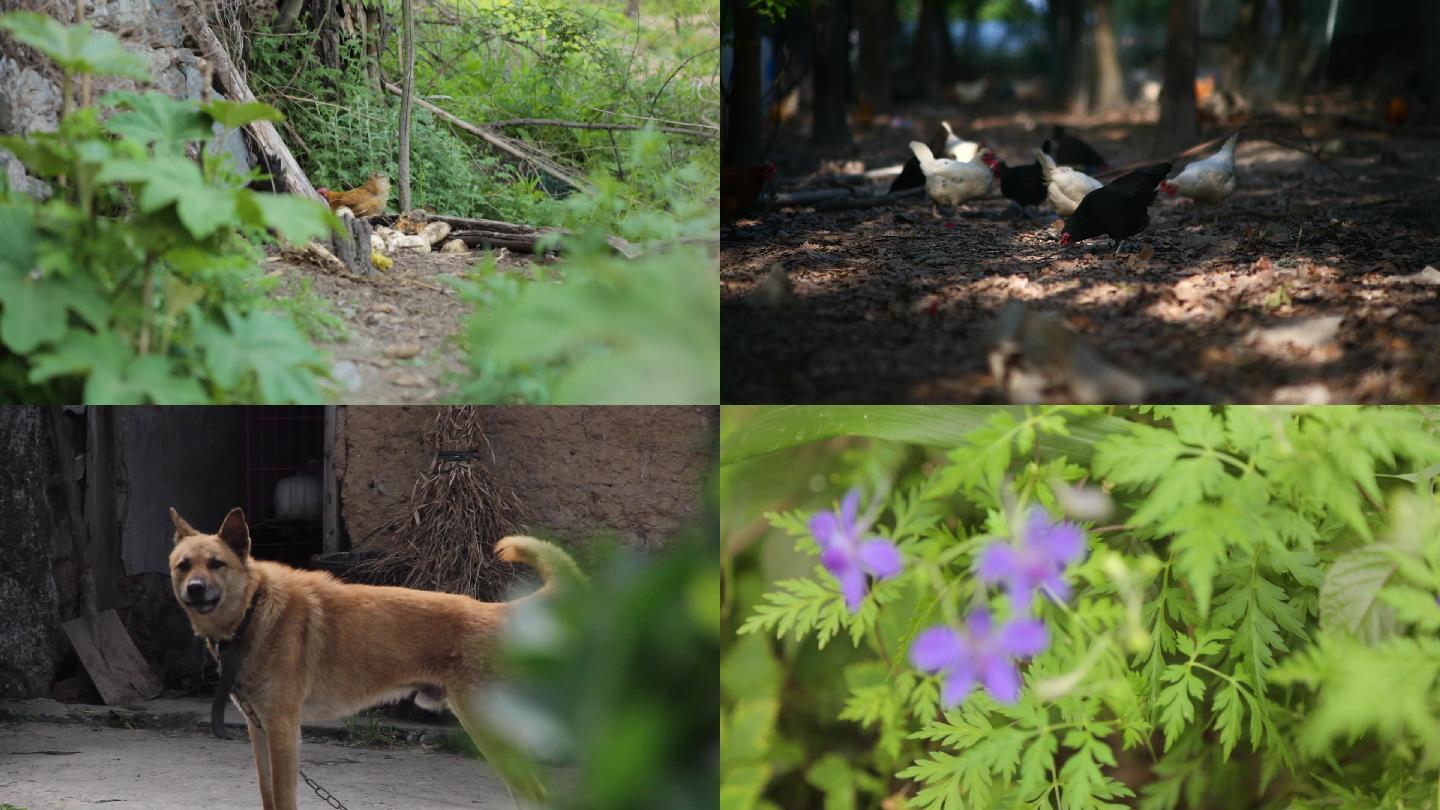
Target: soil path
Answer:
pixel 68 767
pixel 401 324
pixel 1312 287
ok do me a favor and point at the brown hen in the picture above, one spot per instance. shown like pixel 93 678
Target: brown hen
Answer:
pixel 365 201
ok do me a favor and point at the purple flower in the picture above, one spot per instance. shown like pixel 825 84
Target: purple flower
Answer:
pixel 1045 549
pixel 846 553
pixel 978 653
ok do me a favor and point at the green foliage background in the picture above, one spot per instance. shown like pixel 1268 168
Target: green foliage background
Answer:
pixel 1254 627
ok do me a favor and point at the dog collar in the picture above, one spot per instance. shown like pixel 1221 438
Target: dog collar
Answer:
pixel 227 655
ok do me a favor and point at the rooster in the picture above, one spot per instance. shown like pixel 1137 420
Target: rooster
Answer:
pixel 1119 210
pixel 366 201
pixel 950 182
pixel 1208 181
pixel 1065 186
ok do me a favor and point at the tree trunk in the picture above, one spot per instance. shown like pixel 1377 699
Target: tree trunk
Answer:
pixel 742 143
pixel 1244 42
pixel 874 24
pixel 947 48
pixel 1109 84
pixel 407 94
pixel 1177 100
pixel 1066 30
pixel 1292 54
pixel 928 64
pixel 829 74
pixel 969 59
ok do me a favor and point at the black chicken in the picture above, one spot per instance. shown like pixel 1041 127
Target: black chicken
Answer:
pixel 1023 184
pixel 910 175
pixel 1071 151
pixel 1119 210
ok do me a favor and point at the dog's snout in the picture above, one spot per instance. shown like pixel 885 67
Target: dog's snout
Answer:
pixel 195 589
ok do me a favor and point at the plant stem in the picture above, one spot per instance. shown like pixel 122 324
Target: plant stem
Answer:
pixel 146 289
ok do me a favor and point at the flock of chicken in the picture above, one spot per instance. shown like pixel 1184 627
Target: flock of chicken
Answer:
pixel 1120 209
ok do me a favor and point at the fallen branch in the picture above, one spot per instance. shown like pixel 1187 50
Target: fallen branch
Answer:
pixel 267 138
pixel 508 145
pixel 798 198
pixel 495 233
pixel 547 122
pixel 865 201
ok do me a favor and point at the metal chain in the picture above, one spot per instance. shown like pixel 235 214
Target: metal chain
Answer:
pixel 250 715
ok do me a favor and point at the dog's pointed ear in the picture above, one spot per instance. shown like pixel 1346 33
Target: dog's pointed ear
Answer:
pixel 182 529
pixel 236 533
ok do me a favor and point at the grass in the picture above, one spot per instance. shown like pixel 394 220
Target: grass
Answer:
pixel 369 732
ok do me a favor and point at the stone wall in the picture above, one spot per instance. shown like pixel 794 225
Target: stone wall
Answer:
pixel 30 84
pixel 30 631
pixel 635 472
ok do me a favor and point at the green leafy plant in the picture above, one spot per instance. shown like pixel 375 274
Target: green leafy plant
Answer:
pixel 137 280
pixel 1252 622
pixel 612 330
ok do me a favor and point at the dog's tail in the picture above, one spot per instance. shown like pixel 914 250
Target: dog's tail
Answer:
pixel 554 565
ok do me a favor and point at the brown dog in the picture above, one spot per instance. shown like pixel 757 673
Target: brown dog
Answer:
pixel 306 644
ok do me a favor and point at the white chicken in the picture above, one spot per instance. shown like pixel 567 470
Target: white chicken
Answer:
pixel 1065 186
pixel 957 148
pixel 1208 181
pixel 972 92
pixel 951 182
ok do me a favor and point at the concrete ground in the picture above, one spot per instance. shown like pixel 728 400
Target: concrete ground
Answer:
pixel 55 759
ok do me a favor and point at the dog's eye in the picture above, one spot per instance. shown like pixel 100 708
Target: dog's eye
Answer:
pixel 183 565
pixel 216 565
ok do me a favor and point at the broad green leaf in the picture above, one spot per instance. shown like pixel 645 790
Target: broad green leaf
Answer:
pixel 781 427
pixel 232 114
pixel 143 380
pixel 17 236
pixel 32 312
pixel 751 729
pixel 163 179
pixel 205 210
pixel 742 785
pixel 295 218
pixel 155 118
pixel 1348 596
pixel 833 777
pixel 265 351
pixel 43 153
pixel 77 48
pixel 79 354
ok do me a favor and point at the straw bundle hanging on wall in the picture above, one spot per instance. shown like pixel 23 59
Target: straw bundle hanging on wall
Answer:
pixel 443 538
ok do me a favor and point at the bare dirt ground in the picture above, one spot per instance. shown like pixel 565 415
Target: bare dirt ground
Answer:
pixel 67 767
pixel 401 324
pixel 1312 286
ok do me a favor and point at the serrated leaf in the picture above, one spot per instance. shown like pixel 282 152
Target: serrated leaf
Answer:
pixel 1229 712
pixel 1349 594
pixel 1138 458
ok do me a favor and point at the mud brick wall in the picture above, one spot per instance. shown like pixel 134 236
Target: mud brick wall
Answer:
pixel 633 472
